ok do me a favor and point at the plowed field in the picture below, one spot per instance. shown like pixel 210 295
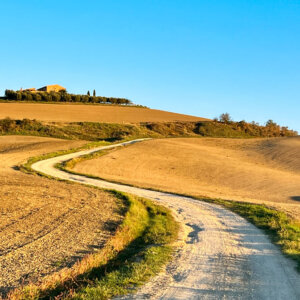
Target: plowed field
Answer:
pixel 45 224
pixel 89 113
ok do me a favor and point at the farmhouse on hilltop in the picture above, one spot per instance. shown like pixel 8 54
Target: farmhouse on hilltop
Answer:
pixel 47 88
pixel 52 88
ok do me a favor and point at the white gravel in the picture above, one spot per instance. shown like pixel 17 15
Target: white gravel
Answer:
pixel 224 256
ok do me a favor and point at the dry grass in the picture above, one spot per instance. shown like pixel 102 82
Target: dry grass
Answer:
pixel 258 171
pixel 90 113
pixel 44 224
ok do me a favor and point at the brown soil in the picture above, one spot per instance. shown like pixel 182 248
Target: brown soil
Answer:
pixel 90 113
pixel 45 224
pixel 256 170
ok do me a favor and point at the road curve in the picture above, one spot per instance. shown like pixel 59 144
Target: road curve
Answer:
pixel 225 257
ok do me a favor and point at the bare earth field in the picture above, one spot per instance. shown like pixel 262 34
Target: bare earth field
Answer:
pixel 45 224
pixel 255 170
pixel 89 113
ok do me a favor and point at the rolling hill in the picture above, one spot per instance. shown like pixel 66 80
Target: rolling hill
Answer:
pixel 255 170
pixel 89 113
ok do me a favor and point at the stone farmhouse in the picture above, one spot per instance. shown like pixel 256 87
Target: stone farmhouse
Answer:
pixel 47 88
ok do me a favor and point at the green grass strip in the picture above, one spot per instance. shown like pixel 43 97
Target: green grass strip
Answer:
pixel 141 259
pixel 282 230
pixel 27 166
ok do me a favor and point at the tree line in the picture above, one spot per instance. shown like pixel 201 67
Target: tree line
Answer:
pixel 62 96
pixel 270 129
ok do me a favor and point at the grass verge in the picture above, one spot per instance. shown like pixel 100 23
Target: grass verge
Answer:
pixel 70 164
pixel 141 246
pixel 26 167
pixel 283 230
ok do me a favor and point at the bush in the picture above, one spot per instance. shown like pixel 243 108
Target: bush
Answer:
pixel 7 125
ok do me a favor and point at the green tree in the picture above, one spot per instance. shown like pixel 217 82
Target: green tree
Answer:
pixel 85 98
pixel 270 123
pixel 225 118
pixel 56 96
pixel 37 96
pixel 88 93
pixel 24 95
pixel 94 93
pixel 19 96
pixel 10 94
pixel 45 97
pixel 77 98
pixel 29 97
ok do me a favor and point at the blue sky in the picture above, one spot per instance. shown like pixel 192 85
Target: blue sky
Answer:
pixel 195 57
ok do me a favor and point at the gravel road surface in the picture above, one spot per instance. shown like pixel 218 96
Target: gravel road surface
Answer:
pixel 224 256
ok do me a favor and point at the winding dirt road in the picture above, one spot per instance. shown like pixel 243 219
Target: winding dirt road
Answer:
pixel 224 257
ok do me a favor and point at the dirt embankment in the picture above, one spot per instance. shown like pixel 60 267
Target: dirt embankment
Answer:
pixel 89 113
pixel 256 170
pixel 45 224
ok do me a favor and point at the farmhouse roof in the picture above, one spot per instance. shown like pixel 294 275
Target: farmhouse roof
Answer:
pixel 53 87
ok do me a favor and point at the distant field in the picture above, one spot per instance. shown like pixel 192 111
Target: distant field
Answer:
pixel 89 113
pixel 256 170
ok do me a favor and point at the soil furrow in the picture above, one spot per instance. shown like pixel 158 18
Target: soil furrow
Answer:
pixel 45 224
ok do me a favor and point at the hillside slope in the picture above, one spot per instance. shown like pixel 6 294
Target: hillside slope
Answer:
pixel 256 170
pixel 89 113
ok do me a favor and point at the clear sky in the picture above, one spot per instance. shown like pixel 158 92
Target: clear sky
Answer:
pixel 195 57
